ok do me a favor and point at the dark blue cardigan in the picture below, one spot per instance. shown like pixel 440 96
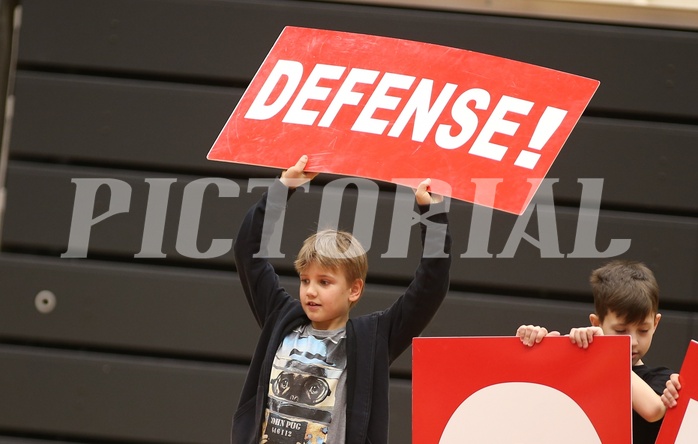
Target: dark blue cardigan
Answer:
pixel 374 341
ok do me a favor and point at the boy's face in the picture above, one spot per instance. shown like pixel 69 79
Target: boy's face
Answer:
pixel 326 296
pixel 640 332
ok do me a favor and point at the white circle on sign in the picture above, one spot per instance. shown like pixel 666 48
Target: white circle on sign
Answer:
pixel 45 301
pixel 519 413
pixel 688 431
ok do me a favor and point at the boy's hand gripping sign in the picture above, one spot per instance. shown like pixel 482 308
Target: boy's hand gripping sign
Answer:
pixel 403 111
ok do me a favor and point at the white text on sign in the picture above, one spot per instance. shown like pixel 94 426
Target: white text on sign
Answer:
pixel 287 75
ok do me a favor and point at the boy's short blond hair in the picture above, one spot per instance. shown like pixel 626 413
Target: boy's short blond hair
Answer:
pixel 334 250
pixel 627 288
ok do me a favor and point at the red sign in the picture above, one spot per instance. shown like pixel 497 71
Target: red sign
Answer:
pixel 402 111
pixel 497 390
pixel 680 425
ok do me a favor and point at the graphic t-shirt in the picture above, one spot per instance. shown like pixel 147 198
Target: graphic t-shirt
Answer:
pixel 307 400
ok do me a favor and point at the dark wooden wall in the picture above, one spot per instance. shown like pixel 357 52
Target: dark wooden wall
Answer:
pixel 154 350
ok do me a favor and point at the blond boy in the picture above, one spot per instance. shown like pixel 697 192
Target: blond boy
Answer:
pixel 318 376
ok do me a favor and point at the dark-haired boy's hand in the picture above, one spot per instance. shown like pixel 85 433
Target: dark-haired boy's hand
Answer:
pixel 584 336
pixel 671 392
pixel 533 334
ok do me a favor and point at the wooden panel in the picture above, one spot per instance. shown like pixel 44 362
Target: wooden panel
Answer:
pixel 198 313
pixel 124 122
pixel 110 397
pixel 13 440
pixel 666 243
pixel 132 308
pixel 170 126
pixel 641 70
pixel 400 411
pixel 202 314
pixel 107 397
pixel 58 195
pixel 645 166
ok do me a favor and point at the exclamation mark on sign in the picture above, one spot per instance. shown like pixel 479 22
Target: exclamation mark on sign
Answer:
pixel 547 125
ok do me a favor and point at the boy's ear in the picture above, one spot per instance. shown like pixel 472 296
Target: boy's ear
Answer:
pixel 594 320
pixel 356 289
pixel 657 318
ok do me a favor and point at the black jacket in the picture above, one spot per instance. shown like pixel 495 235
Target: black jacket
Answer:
pixel 374 341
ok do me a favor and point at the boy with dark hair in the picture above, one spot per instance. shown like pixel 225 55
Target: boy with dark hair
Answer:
pixel 318 376
pixel 626 302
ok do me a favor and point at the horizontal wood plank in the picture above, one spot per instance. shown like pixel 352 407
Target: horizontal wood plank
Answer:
pixel 202 314
pixel 14 440
pixel 94 396
pixel 156 125
pixel 143 309
pixel 642 70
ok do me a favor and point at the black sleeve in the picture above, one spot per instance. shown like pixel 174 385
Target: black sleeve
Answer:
pixel 655 377
pixel 259 280
pixel 413 311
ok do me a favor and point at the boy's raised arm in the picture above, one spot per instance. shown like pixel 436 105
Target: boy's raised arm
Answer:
pixel 411 313
pixel 257 276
